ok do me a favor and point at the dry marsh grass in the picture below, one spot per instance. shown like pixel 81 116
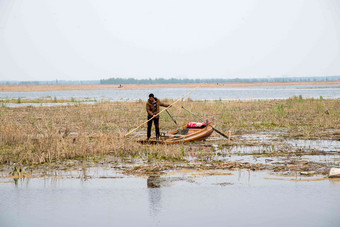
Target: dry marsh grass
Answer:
pixel 49 99
pixel 31 135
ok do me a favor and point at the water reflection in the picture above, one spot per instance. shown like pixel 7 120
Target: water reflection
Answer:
pixel 16 181
pixel 244 176
pixel 155 194
pixel 83 176
pixel 154 181
pixel 334 180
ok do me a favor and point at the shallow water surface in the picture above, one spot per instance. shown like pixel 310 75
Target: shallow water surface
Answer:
pixel 265 143
pixel 218 93
pixel 103 197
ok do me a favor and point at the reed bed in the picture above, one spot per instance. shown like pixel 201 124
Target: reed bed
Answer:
pixel 32 135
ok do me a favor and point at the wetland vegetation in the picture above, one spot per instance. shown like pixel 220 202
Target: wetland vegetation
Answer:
pixel 35 135
pixel 42 100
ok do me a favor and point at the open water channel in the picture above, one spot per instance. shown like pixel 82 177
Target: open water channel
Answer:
pixel 104 197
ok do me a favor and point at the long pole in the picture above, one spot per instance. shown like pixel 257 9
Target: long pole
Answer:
pixel 172 118
pixel 219 132
pixel 161 111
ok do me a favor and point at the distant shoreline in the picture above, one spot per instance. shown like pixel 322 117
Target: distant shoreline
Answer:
pixel 25 88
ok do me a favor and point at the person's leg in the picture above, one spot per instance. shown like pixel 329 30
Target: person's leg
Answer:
pixel 156 121
pixel 149 128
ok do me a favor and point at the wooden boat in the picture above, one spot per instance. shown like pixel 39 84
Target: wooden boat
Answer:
pixel 182 135
pixel 334 172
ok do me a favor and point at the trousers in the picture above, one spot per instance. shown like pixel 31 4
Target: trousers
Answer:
pixel 156 123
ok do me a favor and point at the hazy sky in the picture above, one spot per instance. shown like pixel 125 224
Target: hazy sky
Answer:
pixel 94 39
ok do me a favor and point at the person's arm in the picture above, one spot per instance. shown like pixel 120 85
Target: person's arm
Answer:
pixel 148 109
pixel 163 104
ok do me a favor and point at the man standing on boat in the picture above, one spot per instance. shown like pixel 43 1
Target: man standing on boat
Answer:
pixel 152 108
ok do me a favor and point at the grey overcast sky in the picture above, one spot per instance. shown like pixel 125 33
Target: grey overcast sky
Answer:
pixel 97 39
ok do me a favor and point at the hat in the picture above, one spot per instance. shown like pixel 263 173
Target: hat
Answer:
pixel 151 95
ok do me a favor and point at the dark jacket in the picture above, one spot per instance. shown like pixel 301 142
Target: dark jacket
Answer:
pixel 150 109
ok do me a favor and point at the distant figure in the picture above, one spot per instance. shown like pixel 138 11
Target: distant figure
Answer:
pixel 120 86
pixel 152 108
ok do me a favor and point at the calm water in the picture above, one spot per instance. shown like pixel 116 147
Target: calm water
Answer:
pixel 176 199
pixel 235 93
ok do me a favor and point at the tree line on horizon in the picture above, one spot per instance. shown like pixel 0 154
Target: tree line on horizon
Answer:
pixel 118 80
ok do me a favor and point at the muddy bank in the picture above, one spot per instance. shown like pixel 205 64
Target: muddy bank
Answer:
pixel 163 171
pixel 13 88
